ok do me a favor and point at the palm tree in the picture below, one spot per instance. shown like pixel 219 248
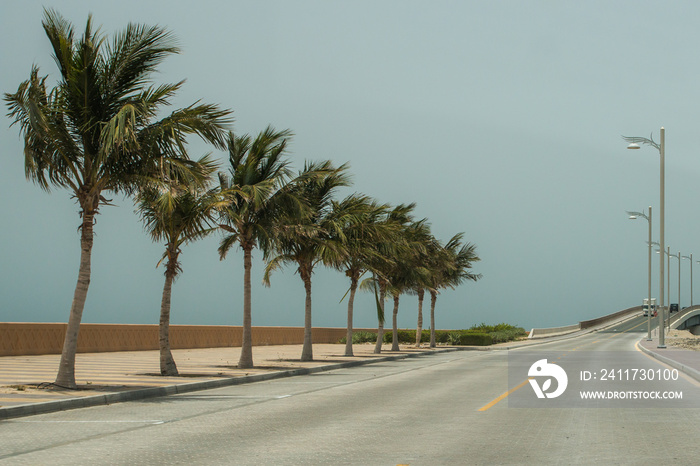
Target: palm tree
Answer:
pixel 358 237
pixel 381 263
pixel 96 130
pixel 406 273
pixel 176 214
pixel 258 193
pixel 377 284
pixel 306 240
pixel 450 267
pixel 421 243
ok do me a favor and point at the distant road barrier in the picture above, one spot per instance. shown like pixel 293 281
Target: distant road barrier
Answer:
pixel 687 314
pixel 17 339
pixel 554 331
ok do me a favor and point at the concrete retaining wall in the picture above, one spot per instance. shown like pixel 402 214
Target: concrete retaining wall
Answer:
pixel 18 339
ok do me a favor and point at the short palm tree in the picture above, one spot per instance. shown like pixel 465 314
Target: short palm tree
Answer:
pixel 420 245
pixel 362 231
pixel 176 214
pixel 406 272
pixel 317 236
pixel 96 130
pixel 381 263
pixel 449 267
pixel 258 193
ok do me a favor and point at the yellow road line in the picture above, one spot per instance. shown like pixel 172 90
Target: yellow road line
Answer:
pixel 488 406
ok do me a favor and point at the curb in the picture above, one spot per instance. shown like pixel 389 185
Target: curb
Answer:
pixel 144 393
pixel 689 371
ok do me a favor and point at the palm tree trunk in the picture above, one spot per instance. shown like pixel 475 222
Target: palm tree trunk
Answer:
pixel 167 363
pixel 351 304
pixel 395 329
pixel 419 329
pixel 380 327
pixel 246 359
pixel 307 350
pixel 66 368
pixel 433 298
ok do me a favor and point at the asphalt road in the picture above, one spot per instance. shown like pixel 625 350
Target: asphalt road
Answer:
pixel 445 408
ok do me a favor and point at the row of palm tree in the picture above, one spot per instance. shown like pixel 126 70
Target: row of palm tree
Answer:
pixel 97 131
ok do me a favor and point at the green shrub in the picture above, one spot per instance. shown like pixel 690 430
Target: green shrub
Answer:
pixel 485 328
pixel 472 339
pixel 406 336
pixel 477 335
pixel 501 336
pixel 361 337
pixel 442 336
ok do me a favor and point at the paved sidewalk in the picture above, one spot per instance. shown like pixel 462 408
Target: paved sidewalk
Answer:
pixel 26 381
pixel 685 360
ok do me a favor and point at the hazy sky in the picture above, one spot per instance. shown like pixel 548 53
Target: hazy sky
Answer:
pixel 501 119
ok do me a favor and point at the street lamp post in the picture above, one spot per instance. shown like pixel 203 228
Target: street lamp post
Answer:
pixel 690 258
pixel 635 215
pixel 667 303
pixel 677 256
pixel 661 147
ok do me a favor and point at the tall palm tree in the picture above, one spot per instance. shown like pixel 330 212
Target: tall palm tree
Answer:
pixel 306 240
pixel 258 193
pixel 357 239
pixel 176 214
pixel 449 267
pixel 96 130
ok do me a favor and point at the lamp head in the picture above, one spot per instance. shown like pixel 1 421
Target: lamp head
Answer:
pixel 633 146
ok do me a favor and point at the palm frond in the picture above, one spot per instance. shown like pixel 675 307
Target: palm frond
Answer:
pixel 226 243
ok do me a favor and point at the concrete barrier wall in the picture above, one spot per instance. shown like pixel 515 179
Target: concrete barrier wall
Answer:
pixel 601 320
pixel 18 339
pixel 679 318
pixel 552 331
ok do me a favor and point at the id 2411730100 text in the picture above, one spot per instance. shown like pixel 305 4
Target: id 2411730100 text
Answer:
pixel 630 374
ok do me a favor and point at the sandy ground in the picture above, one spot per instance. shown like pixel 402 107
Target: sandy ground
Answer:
pixel 683 339
pixel 99 373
